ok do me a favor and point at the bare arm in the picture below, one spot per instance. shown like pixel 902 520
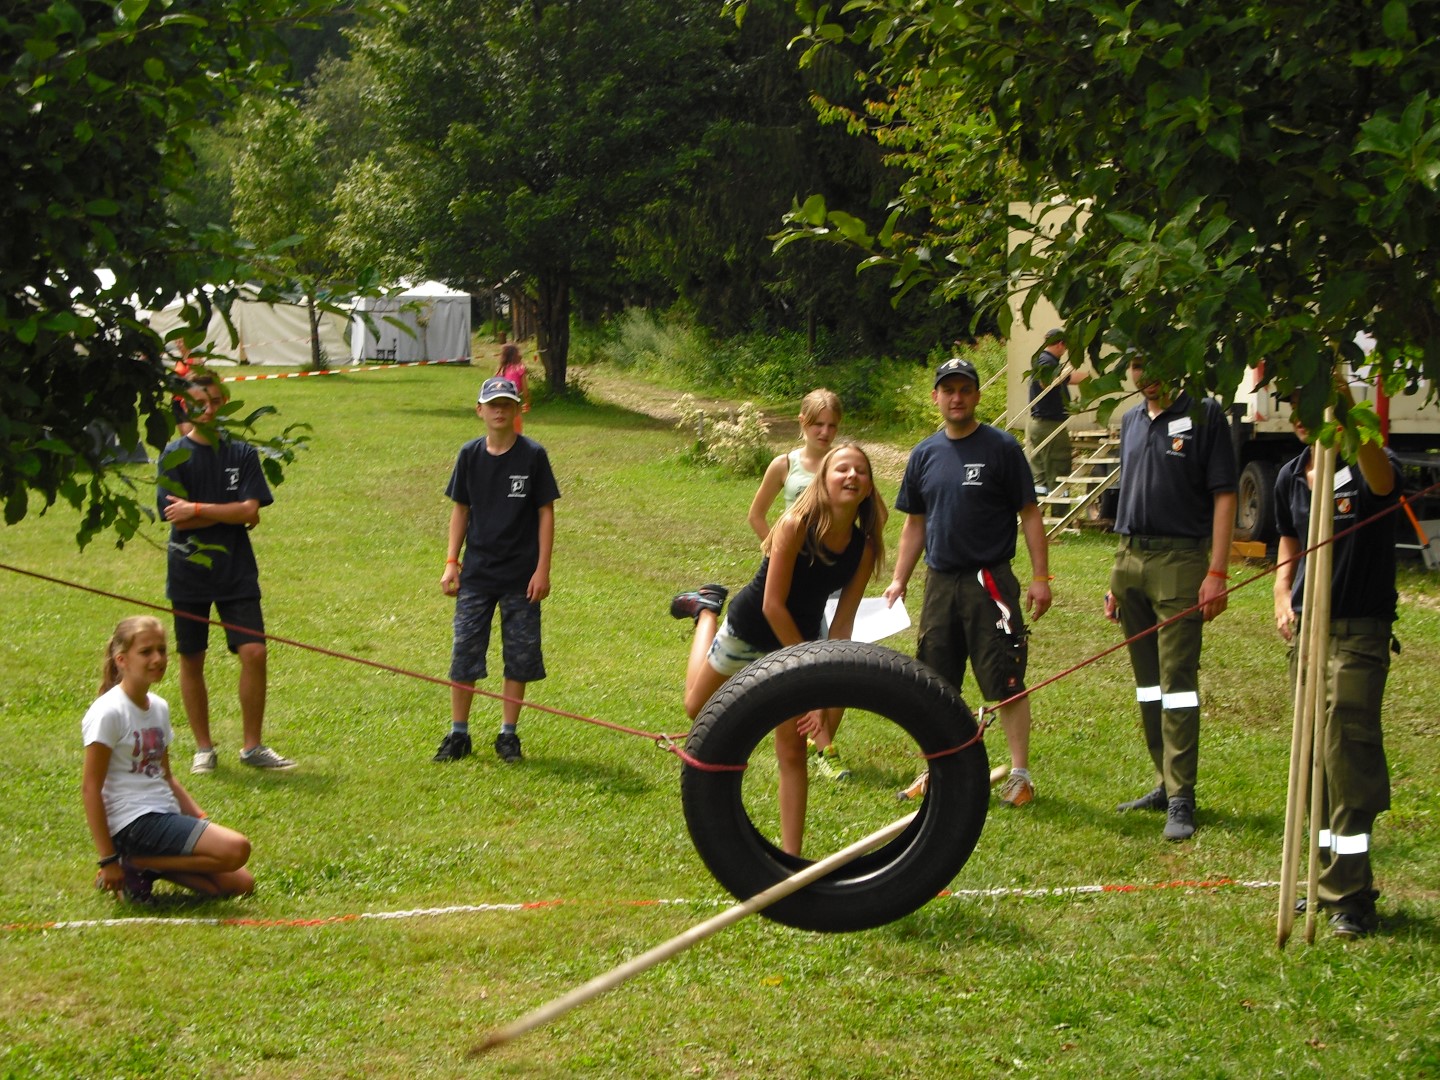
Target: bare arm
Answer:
pixel 1212 596
pixel 184 514
pixel 784 550
pixel 1286 555
pixel 1037 597
pixel 92 785
pixel 539 587
pixel 454 543
pixel 907 554
pixel 770 485
pixel 843 625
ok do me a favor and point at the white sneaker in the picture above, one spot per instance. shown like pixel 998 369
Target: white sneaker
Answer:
pixel 203 761
pixel 262 757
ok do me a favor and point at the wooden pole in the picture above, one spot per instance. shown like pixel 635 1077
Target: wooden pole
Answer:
pixel 1307 688
pixel 1322 563
pixel 678 944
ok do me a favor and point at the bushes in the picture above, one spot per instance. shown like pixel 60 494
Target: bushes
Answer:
pixel 738 442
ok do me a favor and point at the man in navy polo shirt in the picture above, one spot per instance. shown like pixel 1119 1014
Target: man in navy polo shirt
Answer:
pixel 1362 610
pixel 1175 519
pixel 963 489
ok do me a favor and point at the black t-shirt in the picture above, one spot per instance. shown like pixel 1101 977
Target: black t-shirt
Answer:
pixel 225 473
pixel 1171 469
pixel 504 493
pixel 1363 575
pixel 810 586
pixel 1047 406
pixel 969 490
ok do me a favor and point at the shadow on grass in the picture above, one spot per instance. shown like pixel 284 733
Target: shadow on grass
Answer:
pixel 600 776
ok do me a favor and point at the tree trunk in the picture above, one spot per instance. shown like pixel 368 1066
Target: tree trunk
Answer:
pixel 552 333
pixel 317 362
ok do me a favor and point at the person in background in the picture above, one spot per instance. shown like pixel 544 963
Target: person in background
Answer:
pixel 1050 462
pixel 1175 517
pixel 144 823
pixel 502 522
pixel 964 489
pixel 513 369
pixel 212 499
pixel 789 474
pixel 1363 610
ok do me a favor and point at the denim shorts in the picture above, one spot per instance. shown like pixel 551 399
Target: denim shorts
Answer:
pixel 193 636
pixel 519 637
pixel 160 834
pixel 729 655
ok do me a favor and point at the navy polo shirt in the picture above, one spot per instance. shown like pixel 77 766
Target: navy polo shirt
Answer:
pixel 1172 467
pixel 969 490
pixel 1363 575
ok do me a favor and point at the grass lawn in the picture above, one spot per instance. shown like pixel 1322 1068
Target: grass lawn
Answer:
pixel 547 871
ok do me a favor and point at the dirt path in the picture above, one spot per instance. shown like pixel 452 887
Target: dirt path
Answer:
pixel 607 383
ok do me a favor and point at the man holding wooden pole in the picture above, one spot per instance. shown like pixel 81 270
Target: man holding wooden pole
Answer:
pixel 1362 597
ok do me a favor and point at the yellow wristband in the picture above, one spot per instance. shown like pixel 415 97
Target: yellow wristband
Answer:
pixel 1047 577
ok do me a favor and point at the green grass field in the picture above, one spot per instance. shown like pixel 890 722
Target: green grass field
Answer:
pixel 1021 972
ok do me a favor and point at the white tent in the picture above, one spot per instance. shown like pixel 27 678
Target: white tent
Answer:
pixel 265 334
pixel 438 318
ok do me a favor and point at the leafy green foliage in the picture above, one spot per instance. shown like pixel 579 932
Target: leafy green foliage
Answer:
pixel 1222 184
pixel 531 135
pixel 99 102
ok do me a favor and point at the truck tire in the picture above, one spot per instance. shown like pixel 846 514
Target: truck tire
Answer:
pixel 882 885
pixel 1255 512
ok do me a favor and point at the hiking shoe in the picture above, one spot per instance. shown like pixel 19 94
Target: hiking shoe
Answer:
pixel 689 605
pixel 829 765
pixel 1018 790
pixel 1180 819
pixel 138 884
pixel 262 757
pixel 204 761
pixel 917 788
pixel 507 745
pixel 1154 799
pixel 1346 924
pixel 453 747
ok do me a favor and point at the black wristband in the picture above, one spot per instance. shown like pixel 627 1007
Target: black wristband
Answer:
pixel 108 859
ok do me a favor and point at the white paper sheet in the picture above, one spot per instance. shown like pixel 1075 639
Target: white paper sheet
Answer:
pixel 873 620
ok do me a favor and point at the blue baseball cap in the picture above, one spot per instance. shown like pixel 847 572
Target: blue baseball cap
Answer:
pixel 497 388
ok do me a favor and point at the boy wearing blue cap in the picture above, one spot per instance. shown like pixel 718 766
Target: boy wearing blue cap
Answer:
pixel 503 520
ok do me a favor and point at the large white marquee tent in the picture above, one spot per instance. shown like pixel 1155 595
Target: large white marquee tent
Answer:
pixel 438 318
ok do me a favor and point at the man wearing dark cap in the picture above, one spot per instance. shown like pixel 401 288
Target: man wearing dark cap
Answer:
pixel 1175 518
pixel 963 489
pixel 1050 381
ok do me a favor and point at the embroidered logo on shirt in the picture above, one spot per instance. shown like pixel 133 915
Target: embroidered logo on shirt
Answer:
pixel 519 485
pixel 232 478
pixel 973 475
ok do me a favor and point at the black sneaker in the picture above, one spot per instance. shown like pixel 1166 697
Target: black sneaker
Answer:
pixel 1180 819
pixel 138 884
pixel 453 747
pixel 507 745
pixel 689 605
pixel 1346 924
pixel 1151 800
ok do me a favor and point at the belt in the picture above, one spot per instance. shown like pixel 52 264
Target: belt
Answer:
pixel 1360 627
pixel 1166 543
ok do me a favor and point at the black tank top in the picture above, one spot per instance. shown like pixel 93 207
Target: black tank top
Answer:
pixel 810 586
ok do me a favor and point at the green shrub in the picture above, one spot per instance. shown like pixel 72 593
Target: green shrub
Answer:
pixel 737 442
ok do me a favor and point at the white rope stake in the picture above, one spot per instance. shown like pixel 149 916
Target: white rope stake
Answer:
pixel 678 944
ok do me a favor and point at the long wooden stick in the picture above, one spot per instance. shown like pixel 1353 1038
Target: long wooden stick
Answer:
pixel 1302 727
pixel 615 976
pixel 1322 565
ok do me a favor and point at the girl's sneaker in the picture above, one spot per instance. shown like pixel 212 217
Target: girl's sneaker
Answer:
pixel 138 884
pixel 689 605
pixel 829 765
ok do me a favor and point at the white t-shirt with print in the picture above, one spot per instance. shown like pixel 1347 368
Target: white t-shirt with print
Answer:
pixel 137 738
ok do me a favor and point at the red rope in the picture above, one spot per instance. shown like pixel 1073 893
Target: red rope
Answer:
pixel 669 742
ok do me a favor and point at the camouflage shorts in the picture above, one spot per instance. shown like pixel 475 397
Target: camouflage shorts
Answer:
pixel 519 637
